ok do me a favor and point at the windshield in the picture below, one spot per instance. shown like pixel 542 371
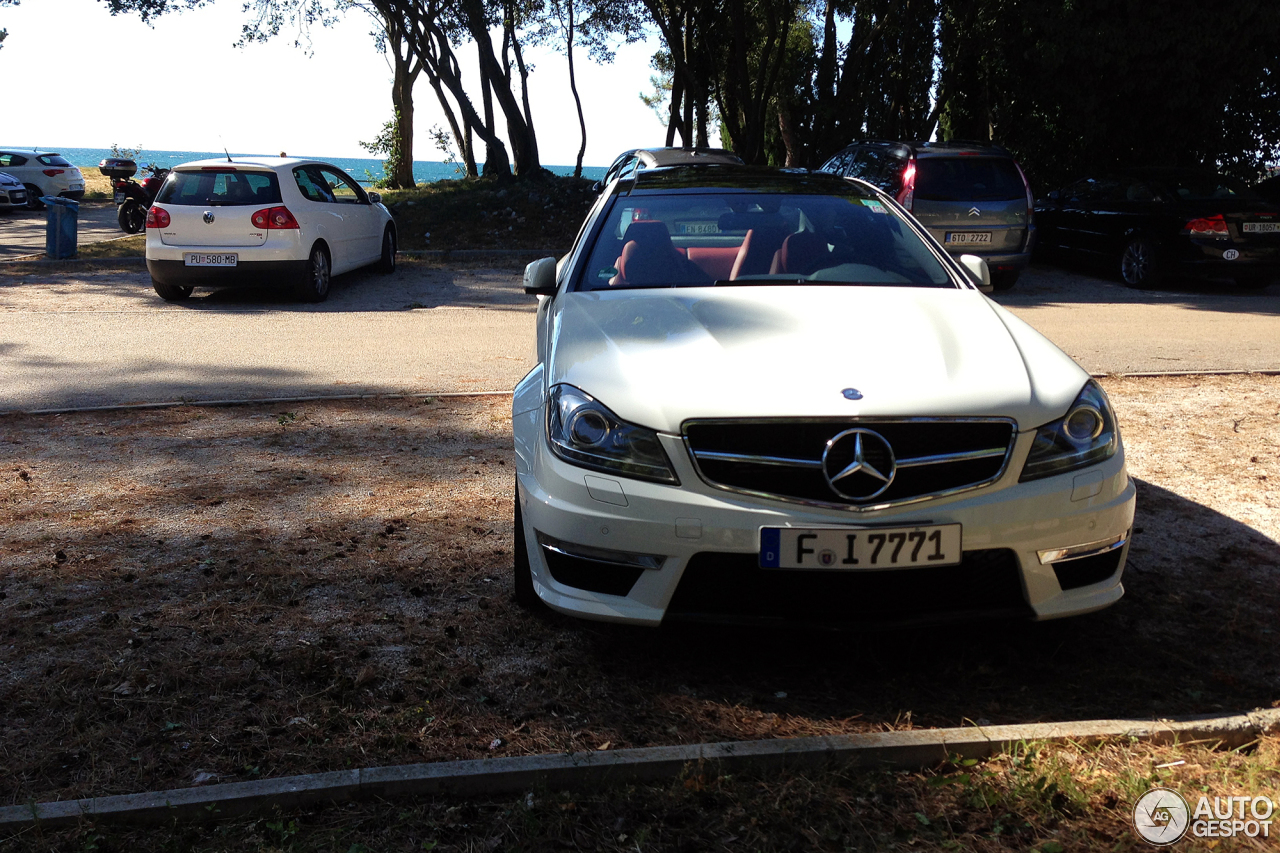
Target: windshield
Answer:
pixel 220 187
pixel 691 240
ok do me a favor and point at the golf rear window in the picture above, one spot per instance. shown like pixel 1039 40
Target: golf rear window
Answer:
pixel 968 179
pixel 223 187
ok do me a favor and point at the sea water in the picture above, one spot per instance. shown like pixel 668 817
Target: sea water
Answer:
pixel 363 169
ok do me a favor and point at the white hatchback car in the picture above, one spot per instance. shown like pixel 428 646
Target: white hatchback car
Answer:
pixel 272 220
pixel 43 173
pixel 766 395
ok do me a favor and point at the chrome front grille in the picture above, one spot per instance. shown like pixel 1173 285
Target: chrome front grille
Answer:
pixel 784 459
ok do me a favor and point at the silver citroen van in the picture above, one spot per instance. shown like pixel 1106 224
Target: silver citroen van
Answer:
pixel 971 196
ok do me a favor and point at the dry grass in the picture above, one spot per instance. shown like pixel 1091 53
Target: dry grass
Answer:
pixel 97 186
pixel 260 591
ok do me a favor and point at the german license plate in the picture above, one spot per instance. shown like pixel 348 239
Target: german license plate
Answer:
pixel 697 228
pixel 203 259
pixel 967 238
pixel 848 549
pixel 1261 227
pixel 119 198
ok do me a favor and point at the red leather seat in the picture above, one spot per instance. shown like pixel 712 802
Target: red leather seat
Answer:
pixel 648 257
pixel 802 253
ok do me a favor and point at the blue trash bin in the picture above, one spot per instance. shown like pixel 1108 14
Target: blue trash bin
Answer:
pixel 60 227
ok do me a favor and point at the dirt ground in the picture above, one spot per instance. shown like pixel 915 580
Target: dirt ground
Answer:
pixel 192 595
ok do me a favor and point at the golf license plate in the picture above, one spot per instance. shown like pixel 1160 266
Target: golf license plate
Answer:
pixel 854 549
pixel 1261 228
pixel 210 259
pixel 967 238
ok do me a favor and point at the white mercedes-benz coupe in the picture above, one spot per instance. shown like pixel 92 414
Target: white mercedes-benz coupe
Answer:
pixel 765 395
pixel 273 220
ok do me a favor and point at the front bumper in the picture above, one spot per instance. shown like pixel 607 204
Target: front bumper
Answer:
pixel 707 541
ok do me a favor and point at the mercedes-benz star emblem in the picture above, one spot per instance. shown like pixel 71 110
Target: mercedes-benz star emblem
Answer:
pixel 852 394
pixel 208 217
pixel 858 464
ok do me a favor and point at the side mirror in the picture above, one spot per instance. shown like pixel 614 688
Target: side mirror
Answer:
pixel 375 198
pixel 977 269
pixel 540 277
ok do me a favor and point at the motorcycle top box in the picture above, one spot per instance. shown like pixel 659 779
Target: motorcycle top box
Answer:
pixel 118 168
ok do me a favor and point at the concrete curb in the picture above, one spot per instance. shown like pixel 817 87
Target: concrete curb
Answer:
pixel 263 401
pixel 592 769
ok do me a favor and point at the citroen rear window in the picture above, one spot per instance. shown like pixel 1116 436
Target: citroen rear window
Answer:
pixel 968 178
pixel 220 187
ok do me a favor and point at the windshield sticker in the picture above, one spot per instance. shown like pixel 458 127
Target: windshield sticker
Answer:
pixel 607 273
pixel 874 205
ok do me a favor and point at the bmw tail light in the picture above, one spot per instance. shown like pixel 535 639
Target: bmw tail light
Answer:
pixel 52 172
pixel 907 196
pixel 157 217
pixel 1208 226
pixel 274 219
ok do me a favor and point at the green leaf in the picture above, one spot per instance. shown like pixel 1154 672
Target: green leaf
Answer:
pixel 924 821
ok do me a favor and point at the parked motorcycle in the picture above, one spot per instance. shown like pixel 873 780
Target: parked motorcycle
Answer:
pixel 132 199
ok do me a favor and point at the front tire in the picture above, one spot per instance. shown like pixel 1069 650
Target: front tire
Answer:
pixel 1139 265
pixel 387 263
pixel 33 197
pixel 1004 279
pixel 316 277
pixel 132 217
pixel 171 292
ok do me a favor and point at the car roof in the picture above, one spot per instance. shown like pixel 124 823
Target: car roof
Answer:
pixel 265 162
pixel 38 152
pixel 929 149
pixel 654 157
pixel 736 178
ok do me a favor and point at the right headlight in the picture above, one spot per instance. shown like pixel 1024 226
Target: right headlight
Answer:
pixel 1085 436
pixel 584 432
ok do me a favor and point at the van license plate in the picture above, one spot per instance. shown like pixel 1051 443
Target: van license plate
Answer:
pixel 201 259
pixel 967 238
pixel 855 549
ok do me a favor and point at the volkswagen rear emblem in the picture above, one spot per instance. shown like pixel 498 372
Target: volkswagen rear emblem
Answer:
pixel 852 394
pixel 208 217
pixel 858 464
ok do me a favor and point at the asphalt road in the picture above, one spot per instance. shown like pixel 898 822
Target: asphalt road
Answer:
pixel 22 232
pixel 84 338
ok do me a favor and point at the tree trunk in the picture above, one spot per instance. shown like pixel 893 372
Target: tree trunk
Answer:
pixel 402 101
pixel 573 87
pixel 524 147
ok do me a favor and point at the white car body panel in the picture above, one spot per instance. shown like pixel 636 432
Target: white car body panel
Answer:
pixel 67 179
pixel 657 357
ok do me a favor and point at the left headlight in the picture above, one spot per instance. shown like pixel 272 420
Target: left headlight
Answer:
pixel 584 432
pixel 1085 436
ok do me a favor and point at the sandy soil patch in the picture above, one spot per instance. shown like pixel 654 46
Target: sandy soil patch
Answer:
pixel 190 595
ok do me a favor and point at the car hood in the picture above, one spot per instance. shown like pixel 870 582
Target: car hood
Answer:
pixel 660 357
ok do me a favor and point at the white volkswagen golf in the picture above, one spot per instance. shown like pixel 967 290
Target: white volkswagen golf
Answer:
pixel 256 220
pixel 766 395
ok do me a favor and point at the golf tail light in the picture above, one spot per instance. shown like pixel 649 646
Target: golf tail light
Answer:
pixel 274 218
pixel 1208 226
pixel 1085 436
pixel 583 432
pixel 157 217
